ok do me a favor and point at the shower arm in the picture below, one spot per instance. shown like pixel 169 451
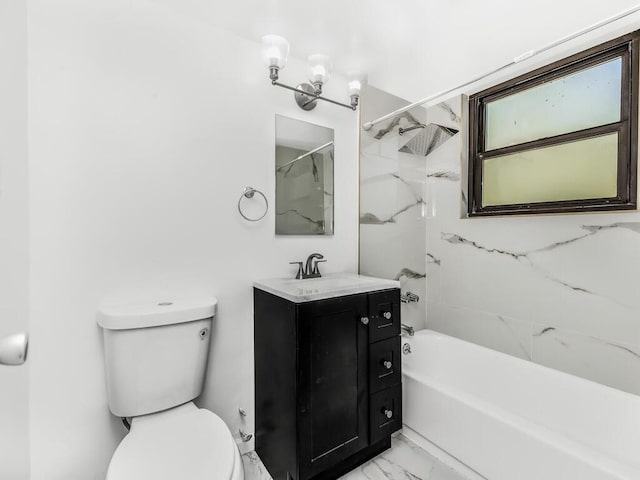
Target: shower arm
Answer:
pixel 310 152
pixel 402 131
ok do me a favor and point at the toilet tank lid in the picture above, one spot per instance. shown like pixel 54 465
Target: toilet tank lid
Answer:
pixel 155 314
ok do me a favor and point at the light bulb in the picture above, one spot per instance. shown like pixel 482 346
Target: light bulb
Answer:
pixel 319 69
pixel 354 87
pixel 275 50
pixel 356 81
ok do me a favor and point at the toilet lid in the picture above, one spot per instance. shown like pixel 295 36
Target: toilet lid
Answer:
pixel 182 443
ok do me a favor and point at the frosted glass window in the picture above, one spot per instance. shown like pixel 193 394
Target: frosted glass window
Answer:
pixel 572 171
pixel 556 107
pixel 561 138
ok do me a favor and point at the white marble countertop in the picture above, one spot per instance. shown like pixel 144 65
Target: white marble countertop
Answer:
pixel 327 286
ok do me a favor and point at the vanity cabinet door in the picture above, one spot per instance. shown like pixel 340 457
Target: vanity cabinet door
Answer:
pixel 333 408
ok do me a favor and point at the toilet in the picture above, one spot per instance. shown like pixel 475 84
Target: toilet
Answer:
pixel 156 357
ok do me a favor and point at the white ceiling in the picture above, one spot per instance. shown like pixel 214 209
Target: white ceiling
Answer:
pixel 356 34
pixel 411 48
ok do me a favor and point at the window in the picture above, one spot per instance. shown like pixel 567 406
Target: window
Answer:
pixel 562 138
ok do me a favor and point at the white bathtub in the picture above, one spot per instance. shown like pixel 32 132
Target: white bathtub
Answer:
pixel 509 419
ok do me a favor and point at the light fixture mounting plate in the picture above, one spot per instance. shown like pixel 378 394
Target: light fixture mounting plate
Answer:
pixel 304 101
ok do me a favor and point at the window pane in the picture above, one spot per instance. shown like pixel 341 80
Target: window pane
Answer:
pixel 585 99
pixel 571 171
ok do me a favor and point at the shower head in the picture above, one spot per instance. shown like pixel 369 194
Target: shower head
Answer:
pixel 430 138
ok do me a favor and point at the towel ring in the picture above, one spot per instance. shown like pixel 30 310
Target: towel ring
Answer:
pixel 249 192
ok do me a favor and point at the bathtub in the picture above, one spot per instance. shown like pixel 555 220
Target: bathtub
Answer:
pixel 508 419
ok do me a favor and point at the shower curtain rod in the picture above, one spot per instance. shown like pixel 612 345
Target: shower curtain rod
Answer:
pixel 518 59
pixel 310 152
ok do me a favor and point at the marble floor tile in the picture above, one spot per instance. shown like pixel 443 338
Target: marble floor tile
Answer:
pixel 253 467
pixel 404 460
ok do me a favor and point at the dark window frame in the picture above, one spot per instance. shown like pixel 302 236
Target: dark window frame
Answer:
pixel 628 48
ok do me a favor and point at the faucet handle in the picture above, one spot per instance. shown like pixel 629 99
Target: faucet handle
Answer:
pixel 315 267
pixel 300 272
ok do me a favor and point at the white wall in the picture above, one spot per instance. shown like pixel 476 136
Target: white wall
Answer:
pixel 14 446
pixel 144 129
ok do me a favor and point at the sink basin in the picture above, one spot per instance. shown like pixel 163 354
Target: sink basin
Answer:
pixel 328 286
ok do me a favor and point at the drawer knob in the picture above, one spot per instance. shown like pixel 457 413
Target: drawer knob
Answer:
pixel 388 364
pixel 387 315
pixel 364 320
pixel 388 413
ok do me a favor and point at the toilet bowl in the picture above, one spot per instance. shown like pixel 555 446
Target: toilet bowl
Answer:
pixel 156 357
pixel 185 442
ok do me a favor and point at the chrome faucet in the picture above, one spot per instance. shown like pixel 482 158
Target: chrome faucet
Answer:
pixel 409 297
pixel 407 329
pixel 310 269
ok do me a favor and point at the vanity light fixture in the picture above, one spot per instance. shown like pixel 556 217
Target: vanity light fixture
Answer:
pixel 275 52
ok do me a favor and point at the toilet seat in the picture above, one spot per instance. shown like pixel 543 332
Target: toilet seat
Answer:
pixel 181 443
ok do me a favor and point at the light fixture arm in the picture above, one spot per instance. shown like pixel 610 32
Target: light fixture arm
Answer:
pixel 314 96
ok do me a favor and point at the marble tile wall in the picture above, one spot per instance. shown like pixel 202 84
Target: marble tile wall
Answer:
pixel 392 205
pixel 559 290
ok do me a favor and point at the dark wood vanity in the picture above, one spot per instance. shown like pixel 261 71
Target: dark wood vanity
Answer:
pixel 328 391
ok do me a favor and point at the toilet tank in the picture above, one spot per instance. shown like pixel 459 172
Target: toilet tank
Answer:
pixel 156 353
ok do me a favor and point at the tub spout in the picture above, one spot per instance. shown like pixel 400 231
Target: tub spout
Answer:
pixel 409 297
pixel 408 330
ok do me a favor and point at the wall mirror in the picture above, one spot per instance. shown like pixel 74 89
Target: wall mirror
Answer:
pixel 304 178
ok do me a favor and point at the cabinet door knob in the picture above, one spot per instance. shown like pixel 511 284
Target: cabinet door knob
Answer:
pixel 364 320
pixel 388 413
pixel 388 364
pixel 387 315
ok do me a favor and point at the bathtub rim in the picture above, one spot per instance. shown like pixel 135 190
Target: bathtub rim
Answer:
pixel 529 364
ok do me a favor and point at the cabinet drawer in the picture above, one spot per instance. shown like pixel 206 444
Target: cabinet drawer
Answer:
pixel 384 315
pixel 386 413
pixel 384 364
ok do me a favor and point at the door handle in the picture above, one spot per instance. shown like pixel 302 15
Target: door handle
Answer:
pixel 14 348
